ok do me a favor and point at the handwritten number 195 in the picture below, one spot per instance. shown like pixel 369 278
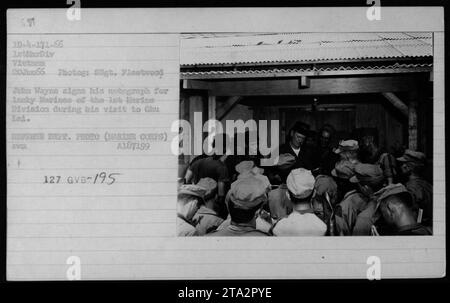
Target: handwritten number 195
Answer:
pixel 105 178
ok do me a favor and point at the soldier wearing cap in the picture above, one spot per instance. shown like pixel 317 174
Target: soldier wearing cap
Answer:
pixel 279 204
pixel 370 179
pixel 248 168
pixel 207 218
pixel 244 199
pixel 373 154
pixel 302 221
pixel 412 164
pixel 395 204
pixel 353 201
pixel 348 150
pixel 324 198
pixel 189 198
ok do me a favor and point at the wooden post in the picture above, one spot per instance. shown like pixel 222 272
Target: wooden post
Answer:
pixel 211 107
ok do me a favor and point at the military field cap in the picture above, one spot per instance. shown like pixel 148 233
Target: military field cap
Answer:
pixel 192 190
pixel 325 184
pixel 347 145
pixel 343 170
pixel 367 174
pixel 244 166
pixel 394 189
pixel 300 183
pixel 413 156
pixel 248 192
pixel 210 186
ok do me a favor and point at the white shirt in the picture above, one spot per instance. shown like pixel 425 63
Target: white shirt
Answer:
pixel 297 224
pixel 296 150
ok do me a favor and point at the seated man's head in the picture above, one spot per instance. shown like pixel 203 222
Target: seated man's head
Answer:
pixel 300 184
pixel 189 198
pixel 396 205
pixel 245 197
pixel 298 134
pixel 342 172
pixel 369 178
pixel 412 162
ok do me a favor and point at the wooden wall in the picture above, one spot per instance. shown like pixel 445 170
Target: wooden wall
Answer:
pixel 370 112
pixel 390 125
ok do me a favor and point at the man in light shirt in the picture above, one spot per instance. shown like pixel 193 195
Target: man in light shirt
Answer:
pixel 302 221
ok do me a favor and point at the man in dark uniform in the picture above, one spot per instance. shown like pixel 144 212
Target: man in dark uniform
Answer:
pixel 297 138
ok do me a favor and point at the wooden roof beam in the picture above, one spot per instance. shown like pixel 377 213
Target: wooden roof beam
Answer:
pixel 397 102
pixel 229 104
pixel 318 86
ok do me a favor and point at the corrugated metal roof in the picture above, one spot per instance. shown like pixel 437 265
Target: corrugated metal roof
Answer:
pixel 302 47
pixel 271 71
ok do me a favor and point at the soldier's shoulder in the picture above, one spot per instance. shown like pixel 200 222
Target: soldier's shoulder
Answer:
pixel 258 233
pixel 354 194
